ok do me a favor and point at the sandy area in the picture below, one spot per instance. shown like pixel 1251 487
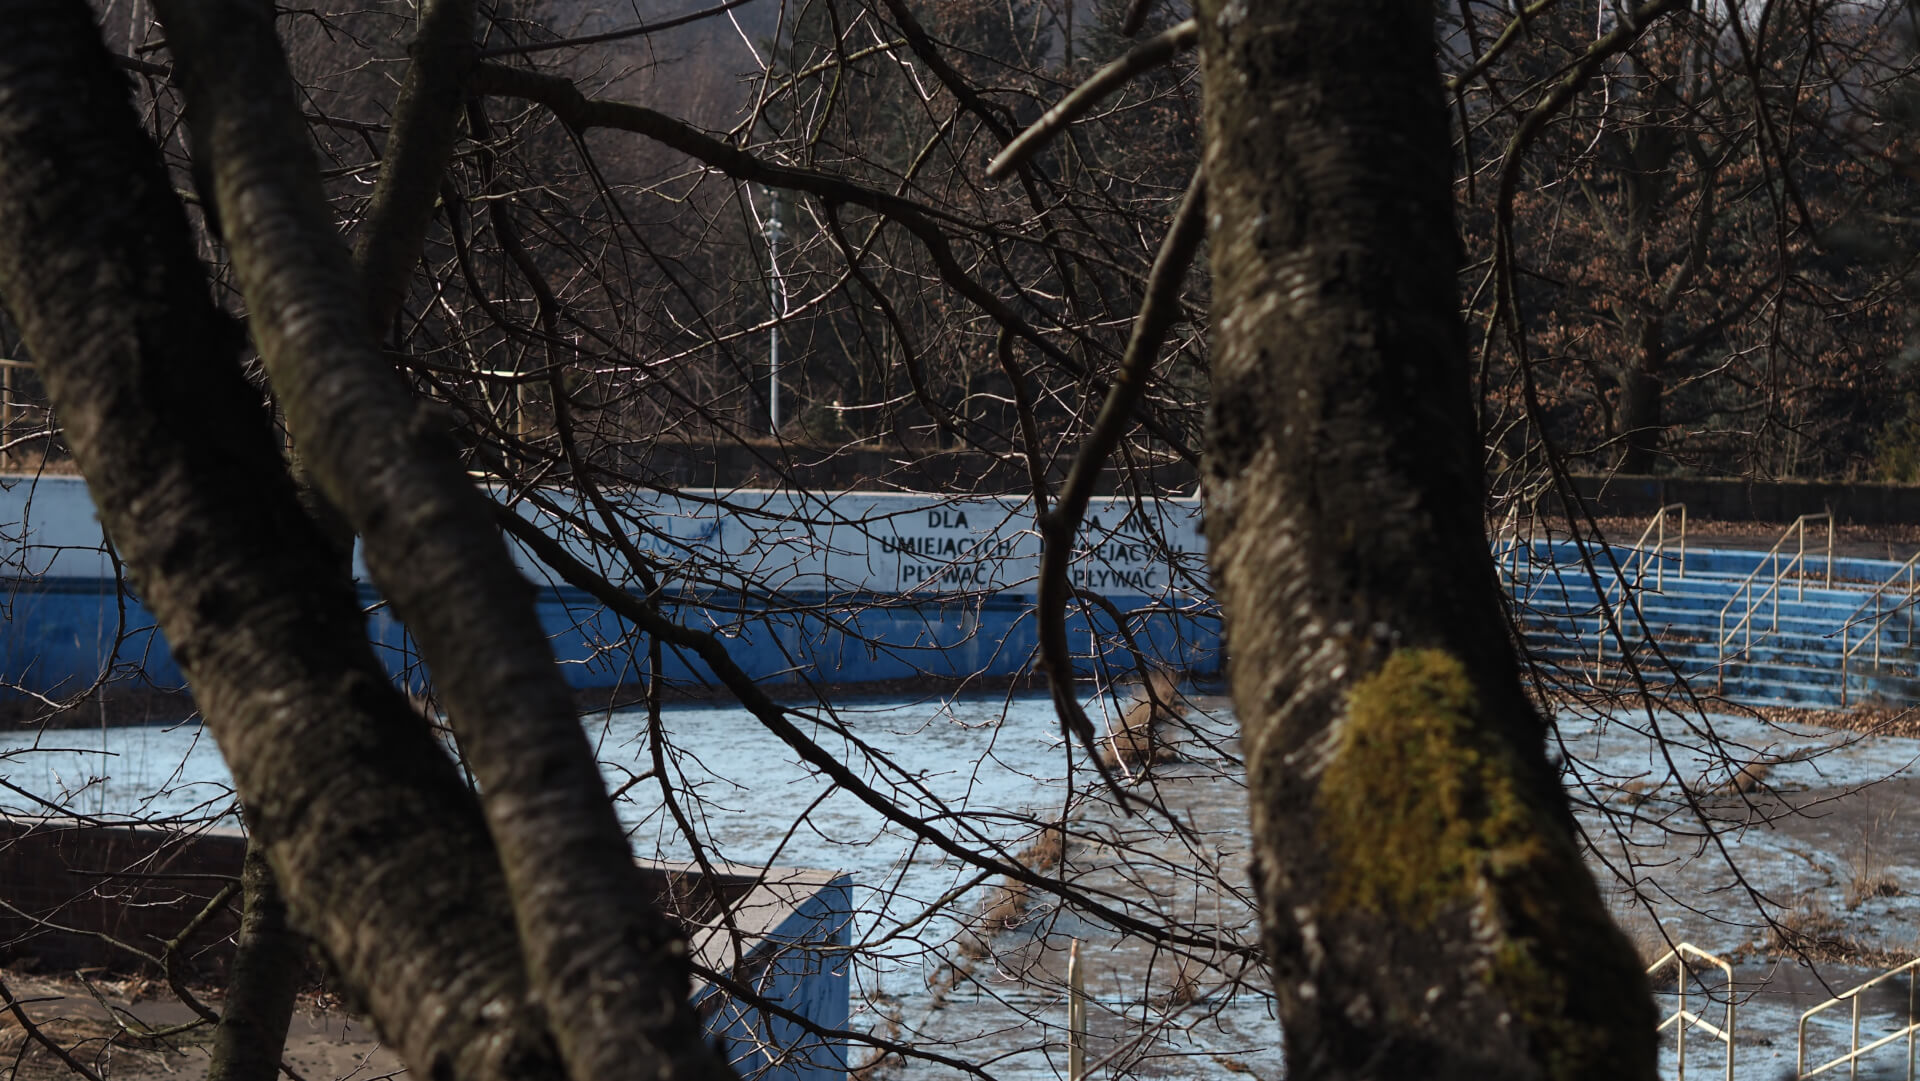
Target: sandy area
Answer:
pixel 138 1030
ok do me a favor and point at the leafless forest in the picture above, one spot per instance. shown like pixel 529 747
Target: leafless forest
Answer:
pixel 998 247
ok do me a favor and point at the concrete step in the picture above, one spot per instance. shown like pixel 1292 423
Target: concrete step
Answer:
pixel 1730 562
pixel 1705 640
pixel 1819 652
pixel 1787 652
pixel 1746 682
pixel 1835 605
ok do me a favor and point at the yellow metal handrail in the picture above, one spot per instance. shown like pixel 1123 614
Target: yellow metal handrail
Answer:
pixel 1683 1019
pixel 1879 618
pixel 1510 531
pixel 1855 1051
pixel 1780 573
pixel 1637 562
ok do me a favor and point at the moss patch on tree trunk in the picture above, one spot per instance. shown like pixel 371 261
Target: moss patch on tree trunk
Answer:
pixel 1419 810
pixel 1424 821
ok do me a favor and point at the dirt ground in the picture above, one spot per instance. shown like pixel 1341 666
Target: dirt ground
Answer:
pixel 132 1030
pixel 1152 1012
pixel 1781 845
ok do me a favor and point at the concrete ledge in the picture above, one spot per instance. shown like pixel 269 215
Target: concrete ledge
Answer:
pixel 71 888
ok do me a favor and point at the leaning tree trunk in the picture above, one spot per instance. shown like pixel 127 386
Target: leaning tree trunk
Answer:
pixel 378 844
pixel 1422 897
pixel 381 849
pixel 610 973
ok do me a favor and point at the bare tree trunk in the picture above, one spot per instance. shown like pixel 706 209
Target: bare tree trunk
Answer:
pixel 379 845
pixel 413 165
pixel 610 973
pixel 1423 901
pixel 1640 422
pixel 1639 418
pixel 267 964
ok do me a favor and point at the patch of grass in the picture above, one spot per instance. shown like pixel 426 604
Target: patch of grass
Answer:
pixel 1867 873
pixel 1005 906
pixel 1649 941
pixel 881 1065
pixel 1809 925
pixel 1138 741
pixel 1810 929
pixel 1747 779
pixel 1639 790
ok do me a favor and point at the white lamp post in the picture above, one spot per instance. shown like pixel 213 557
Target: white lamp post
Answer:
pixel 777 296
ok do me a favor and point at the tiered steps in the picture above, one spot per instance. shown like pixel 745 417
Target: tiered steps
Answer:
pixel 1789 653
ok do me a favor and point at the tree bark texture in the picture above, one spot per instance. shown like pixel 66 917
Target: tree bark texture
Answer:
pixel 1423 900
pixel 268 962
pixel 1640 420
pixel 426 122
pixel 610 972
pixel 378 844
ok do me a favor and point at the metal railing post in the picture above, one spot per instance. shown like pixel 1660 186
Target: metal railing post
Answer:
pixel 1660 553
pixel 1730 1036
pixel 1846 658
pixel 1771 567
pixel 1720 665
pixel 1873 615
pixel 1683 1018
pixel 1855 1052
pixel 1909 602
pixel 1680 1035
pixel 1683 540
pixel 1800 580
pixel 1630 572
pixel 1853 1049
pixel 1076 1016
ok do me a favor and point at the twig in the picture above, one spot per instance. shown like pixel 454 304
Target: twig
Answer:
pixel 637 30
pixel 1507 37
pixel 1059 525
pixel 1145 56
pixel 172 948
pixel 774 716
pixel 145 1031
pixel 33 1032
pixel 579 113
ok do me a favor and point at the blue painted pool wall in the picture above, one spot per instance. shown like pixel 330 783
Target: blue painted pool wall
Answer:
pixel 57 635
pixel 801 966
pixel 826 587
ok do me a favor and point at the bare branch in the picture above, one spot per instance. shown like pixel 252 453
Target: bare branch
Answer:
pixel 1057 527
pixel 1145 56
